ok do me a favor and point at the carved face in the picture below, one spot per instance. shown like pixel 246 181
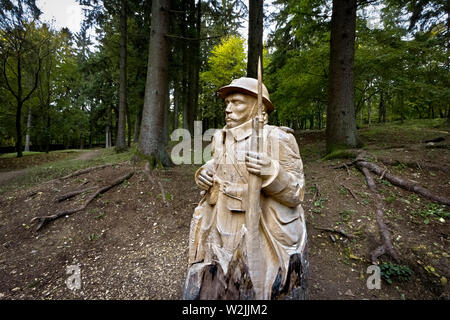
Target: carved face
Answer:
pixel 239 109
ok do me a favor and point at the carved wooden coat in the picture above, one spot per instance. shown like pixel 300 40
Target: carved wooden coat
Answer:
pixel 218 223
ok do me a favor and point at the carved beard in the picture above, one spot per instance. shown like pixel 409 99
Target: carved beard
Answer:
pixel 231 122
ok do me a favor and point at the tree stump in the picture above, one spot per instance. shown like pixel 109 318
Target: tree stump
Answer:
pixel 208 281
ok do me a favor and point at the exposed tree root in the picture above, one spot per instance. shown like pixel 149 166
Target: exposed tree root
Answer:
pixel 338 231
pixel 386 238
pixel 360 161
pixel 71 175
pixel 349 190
pixel 83 171
pixel 317 194
pixel 366 167
pixel 150 178
pixel 440 139
pixel 46 219
pixel 403 183
pixel 73 194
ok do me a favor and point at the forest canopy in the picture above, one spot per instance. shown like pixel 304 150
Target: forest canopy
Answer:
pixel 61 89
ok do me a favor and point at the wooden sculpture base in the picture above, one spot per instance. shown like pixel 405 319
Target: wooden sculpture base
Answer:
pixel 207 281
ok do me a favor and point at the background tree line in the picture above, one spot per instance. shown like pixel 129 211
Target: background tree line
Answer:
pixel 154 66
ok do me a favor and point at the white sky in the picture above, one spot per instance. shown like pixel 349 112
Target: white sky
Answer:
pixel 68 13
pixel 64 13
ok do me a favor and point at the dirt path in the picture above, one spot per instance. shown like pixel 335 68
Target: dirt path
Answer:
pixel 88 155
pixel 7 176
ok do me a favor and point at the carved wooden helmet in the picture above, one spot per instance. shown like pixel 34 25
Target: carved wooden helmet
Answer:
pixel 247 86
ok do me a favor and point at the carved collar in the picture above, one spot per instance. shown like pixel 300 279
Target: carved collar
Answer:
pixel 241 131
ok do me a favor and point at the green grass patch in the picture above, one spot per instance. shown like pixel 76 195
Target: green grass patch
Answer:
pixel 53 170
pixel 14 154
pixel 430 211
pixel 393 272
pixel 397 133
pixel 341 154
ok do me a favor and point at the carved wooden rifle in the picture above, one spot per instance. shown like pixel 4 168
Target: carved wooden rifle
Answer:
pixel 253 216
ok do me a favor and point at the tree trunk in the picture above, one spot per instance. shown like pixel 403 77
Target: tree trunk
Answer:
pixel 110 126
pixel 166 132
pixel 107 138
pixel 192 53
pixel 129 126
pixel 91 128
pixel 341 121
pixel 27 137
pixel 135 131
pixel 176 97
pixel 48 133
pixel 48 106
pixel 255 37
pixel 448 116
pixel 137 126
pixel 382 109
pixel 120 141
pixel 210 282
pixel 151 142
pixel 185 70
pixel 19 108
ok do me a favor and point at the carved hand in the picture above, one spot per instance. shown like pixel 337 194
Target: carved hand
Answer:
pixel 259 164
pixel 205 179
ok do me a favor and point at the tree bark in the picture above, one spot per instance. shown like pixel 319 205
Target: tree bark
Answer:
pixel 403 183
pixel 191 56
pixel 166 133
pixel 341 121
pixel 255 37
pixel 120 141
pixel 27 137
pixel 386 237
pixel 382 109
pixel 151 142
pixel 108 138
pixel 128 125
pixel 176 98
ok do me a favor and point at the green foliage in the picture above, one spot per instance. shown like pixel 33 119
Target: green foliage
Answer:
pixel 168 196
pixel 401 66
pixel 341 154
pixel 319 203
pixel 400 73
pixel 432 210
pixel 226 63
pixel 346 215
pixel 393 272
pixel 93 237
pixel 391 198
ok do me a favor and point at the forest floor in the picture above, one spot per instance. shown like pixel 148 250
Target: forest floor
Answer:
pixel 129 244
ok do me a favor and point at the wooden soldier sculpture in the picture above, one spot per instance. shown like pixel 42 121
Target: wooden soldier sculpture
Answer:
pixel 231 256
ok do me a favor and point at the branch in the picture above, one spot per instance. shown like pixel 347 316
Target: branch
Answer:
pixel 403 183
pixel 73 194
pixel 82 171
pixel 36 81
pixel 46 219
pixel 149 176
pixel 191 39
pixel 6 79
